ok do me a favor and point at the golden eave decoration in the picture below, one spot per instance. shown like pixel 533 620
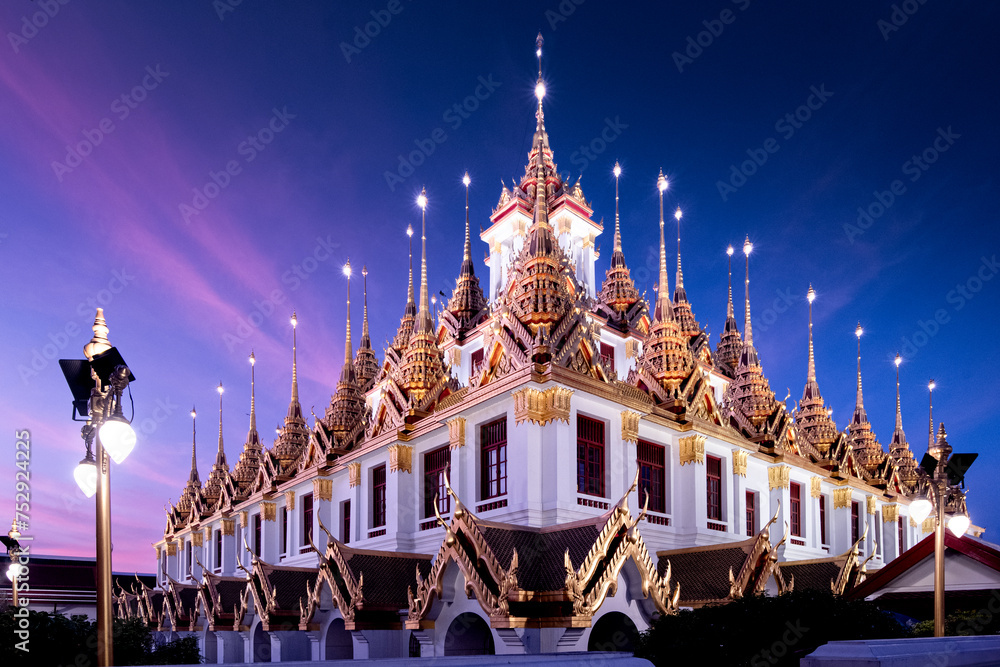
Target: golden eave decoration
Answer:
pixel 229 527
pixel 841 498
pixel 268 511
pixel 456 432
pixel 890 513
pixel 400 458
pixel 740 457
pixel 354 474
pixel 692 449
pixel 778 477
pixel 815 487
pixel 541 407
pixel 870 504
pixel 630 426
pixel 290 500
pixel 323 488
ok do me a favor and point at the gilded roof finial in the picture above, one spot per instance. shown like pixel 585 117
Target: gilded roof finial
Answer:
pixel 409 291
pixel 618 289
pixel 812 416
pixel 682 308
pixel 664 310
pixel 365 363
pixel 424 322
pixel 347 372
pixel 364 321
pixel 866 446
pixel 680 272
pixel 899 413
pixel 467 299
pixel 540 86
pixel 730 342
pixel 747 327
pixel 729 306
pixel 467 250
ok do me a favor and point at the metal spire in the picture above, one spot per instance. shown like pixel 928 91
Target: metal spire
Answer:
pixel 859 403
pixel 424 318
pixel 467 251
pixel 409 293
pixel 295 367
pixel 899 412
pixel 680 273
pixel 810 297
pixel 930 397
pixel 253 403
pixel 618 234
pixel 364 325
pixel 347 337
pixel 193 478
pixel 220 457
pixel 664 310
pixel 748 329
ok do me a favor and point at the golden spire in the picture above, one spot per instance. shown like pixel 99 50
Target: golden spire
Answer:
pixel 410 312
pixel 364 322
pixel 347 405
pixel 866 447
pixel 899 448
pixel 682 308
pixel 193 487
pixel 812 416
pixel 245 470
pixel 467 298
pixel 294 436
pixel 253 402
pixel 618 290
pixel 730 343
pixel 213 487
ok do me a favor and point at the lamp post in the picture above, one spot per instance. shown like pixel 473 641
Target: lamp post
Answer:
pixel 13 550
pixel 942 473
pixel 97 384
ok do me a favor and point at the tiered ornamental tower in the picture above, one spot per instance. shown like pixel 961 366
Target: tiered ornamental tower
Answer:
pixel 494 481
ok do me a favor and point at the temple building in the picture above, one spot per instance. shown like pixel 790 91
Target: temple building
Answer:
pixel 548 465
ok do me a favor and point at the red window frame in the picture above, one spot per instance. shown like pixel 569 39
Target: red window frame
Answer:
pixel 493 459
pixel 855 519
pixel 378 496
pixel 751 500
pixel 256 534
pixel 436 464
pixel 822 520
pixel 651 459
pixel 218 550
pixel 345 535
pixel 795 508
pixel 899 530
pixel 589 456
pixel 307 520
pixel 284 531
pixel 713 487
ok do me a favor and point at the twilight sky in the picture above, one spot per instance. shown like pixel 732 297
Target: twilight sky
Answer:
pixel 189 164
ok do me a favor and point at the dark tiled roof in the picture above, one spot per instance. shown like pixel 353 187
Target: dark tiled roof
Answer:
pixel 704 574
pixel 540 553
pixel 230 591
pixel 156 602
pixel 189 598
pixel 812 575
pixel 291 585
pixel 386 578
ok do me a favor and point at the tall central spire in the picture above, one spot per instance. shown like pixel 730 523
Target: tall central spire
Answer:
pixel 424 321
pixel 347 372
pixel 859 402
pixel 664 310
pixel 253 397
pixel 811 372
pixel 295 365
pixel 747 327
pixel 618 290
pixel 220 456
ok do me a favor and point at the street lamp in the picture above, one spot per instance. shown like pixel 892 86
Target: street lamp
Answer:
pixel 943 480
pixel 13 550
pixel 97 384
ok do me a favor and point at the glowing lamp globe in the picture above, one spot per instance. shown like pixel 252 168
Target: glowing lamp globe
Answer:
pixel 920 509
pixel 958 524
pixel 118 438
pixel 540 90
pixel 466 180
pixel 13 571
pixel 85 475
